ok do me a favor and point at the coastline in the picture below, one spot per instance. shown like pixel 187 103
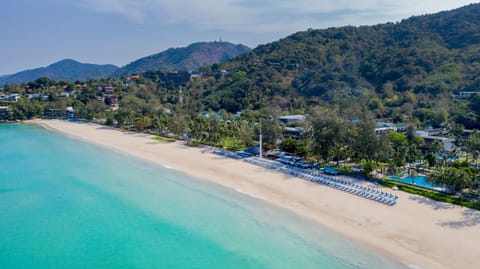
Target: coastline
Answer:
pixel 417 231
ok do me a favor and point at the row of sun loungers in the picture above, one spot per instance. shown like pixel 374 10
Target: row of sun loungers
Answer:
pixel 229 154
pixel 313 176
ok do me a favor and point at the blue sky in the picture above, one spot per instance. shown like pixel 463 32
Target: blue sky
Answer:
pixel 36 33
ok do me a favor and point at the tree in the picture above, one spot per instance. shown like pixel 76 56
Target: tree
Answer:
pixel 329 135
pixel 414 142
pixel 475 104
pixel 366 143
pixel 142 123
pixel 293 146
pixel 399 144
pixel 271 131
pixel 178 124
pixel 454 178
pixel 472 145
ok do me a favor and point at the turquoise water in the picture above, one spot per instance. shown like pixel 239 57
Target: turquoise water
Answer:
pixel 68 204
pixel 420 181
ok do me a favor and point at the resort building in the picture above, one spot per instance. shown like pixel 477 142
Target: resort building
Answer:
pixel 448 143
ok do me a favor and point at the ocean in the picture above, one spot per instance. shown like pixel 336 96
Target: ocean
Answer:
pixel 65 203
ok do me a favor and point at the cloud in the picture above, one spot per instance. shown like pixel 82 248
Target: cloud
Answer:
pixel 262 16
pixel 133 10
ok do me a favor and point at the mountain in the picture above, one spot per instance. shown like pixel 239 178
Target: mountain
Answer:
pixel 405 69
pixel 67 69
pixel 3 78
pixel 187 58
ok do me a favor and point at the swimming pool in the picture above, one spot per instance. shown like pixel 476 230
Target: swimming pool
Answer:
pixel 420 181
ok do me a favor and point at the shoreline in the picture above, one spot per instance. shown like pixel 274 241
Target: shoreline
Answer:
pixel 417 232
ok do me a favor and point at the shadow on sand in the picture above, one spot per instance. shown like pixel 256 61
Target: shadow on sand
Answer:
pixel 471 217
pixel 432 203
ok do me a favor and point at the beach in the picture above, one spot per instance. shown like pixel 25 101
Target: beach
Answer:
pixel 417 231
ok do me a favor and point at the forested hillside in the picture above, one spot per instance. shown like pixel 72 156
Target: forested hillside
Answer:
pixel 189 58
pixel 67 69
pixel 406 71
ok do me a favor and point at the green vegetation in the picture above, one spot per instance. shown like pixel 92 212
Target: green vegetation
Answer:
pixel 69 70
pixel 189 58
pixel 434 195
pixel 344 80
pixel 164 139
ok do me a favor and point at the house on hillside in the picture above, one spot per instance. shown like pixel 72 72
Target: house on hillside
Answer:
pixel 109 90
pixel 465 95
pixel 111 100
pixel 13 97
pixel 293 132
pixel 292 119
pixel 209 114
pixel 386 127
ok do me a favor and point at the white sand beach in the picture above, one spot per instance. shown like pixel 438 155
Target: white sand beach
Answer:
pixel 417 231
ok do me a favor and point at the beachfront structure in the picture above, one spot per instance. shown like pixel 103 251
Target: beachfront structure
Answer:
pixel 5 113
pixel 70 113
pixel 52 113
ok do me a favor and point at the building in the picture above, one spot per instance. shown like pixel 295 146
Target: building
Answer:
pixel 211 114
pixel 70 113
pixel 43 97
pixel 5 113
pixel 448 143
pixel 292 119
pixel 52 113
pixel 294 132
pixel 385 127
pixel 111 100
pixel 465 95
pixel 13 97
pixel 109 90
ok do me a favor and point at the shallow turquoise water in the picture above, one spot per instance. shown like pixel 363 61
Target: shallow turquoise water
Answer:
pixel 68 204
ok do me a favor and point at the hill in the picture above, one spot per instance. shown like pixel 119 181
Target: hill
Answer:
pixel 69 70
pixel 188 58
pixel 404 69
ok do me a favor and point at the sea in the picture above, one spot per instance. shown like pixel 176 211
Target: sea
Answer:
pixel 65 203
